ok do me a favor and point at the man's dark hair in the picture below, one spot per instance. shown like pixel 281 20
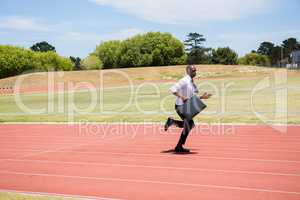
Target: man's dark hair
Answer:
pixel 188 67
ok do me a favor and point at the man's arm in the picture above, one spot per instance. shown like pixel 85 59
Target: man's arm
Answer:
pixel 205 96
pixel 176 87
pixel 180 96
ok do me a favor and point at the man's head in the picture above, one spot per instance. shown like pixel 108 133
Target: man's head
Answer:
pixel 191 70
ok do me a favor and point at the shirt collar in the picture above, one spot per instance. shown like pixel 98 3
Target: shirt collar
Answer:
pixel 189 78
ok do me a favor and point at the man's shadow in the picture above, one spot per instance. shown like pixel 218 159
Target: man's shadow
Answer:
pixel 172 151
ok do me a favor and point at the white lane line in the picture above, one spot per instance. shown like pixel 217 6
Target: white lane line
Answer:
pixel 148 123
pixel 21 150
pixel 140 146
pixel 72 147
pixel 42 143
pixel 189 155
pixel 154 167
pixel 39 136
pixel 158 142
pixel 153 182
pixel 202 135
pixel 217 148
pixel 57 195
pixel 65 148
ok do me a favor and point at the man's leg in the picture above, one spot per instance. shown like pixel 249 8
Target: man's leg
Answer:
pixel 178 123
pixel 171 121
pixel 188 125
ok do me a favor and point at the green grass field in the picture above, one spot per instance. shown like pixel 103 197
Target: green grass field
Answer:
pixel 152 102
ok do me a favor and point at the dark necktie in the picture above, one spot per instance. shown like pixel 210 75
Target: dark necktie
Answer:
pixel 195 86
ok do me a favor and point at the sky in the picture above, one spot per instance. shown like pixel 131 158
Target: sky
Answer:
pixel 75 27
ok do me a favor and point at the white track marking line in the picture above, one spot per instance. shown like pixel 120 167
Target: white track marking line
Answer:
pixel 145 123
pixel 155 167
pixel 202 135
pixel 156 155
pixel 158 141
pixel 64 148
pixel 72 147
pixel 58 195
pixel 173 155
pixel 153 182
pixel 245 149
pixel 15 150
pixel 42 143
pixel 202 147
pixel 46 137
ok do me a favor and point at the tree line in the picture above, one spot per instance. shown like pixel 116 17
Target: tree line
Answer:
pixel 270 54
pixel 161 49
pixel 149 49
pixel 17 60
pixel 40 57
pixel 278 54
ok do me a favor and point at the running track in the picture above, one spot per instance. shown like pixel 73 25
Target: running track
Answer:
pixel 134 162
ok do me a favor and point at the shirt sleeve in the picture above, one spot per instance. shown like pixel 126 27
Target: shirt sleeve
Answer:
pixel 177 86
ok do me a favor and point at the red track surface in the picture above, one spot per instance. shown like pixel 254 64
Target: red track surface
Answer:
pixel 133 162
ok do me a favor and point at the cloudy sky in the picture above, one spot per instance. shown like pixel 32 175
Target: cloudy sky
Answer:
pixel 75 27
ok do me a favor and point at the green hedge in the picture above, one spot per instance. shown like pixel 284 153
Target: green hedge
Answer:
pixel 224 56
pixel 150 49
pixel 91 62
pixel 17 60
pixel 254 59
pixel 47 61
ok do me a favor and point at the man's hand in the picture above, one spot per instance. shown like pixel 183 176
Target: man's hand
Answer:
pixel 184 99
pixel 205 96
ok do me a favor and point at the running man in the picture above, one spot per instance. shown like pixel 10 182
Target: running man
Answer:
pixel 183 90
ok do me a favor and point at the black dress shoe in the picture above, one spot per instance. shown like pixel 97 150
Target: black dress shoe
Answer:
pixel 180 149
pixel 169 123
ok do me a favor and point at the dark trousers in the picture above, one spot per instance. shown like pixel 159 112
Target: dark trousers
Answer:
pixel 186 124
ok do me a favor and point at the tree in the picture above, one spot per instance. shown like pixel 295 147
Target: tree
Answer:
pixel 194 41
pixel 152 49
pixel 254 59
pixel 76 62
pixel 48 61
pixel 43 47
pixel 91 62
pixel 16 60
pixel 225 56
pixel 131 57
pixel 265 48
pixel 197 54
pixel 277 55
pixel 289 45
pixel 149 49
pixel 109 53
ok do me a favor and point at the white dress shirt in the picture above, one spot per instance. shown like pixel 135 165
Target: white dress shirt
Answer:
pixel 184 87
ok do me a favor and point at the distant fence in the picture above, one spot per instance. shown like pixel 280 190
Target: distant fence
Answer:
pixel 6 90
pixel 293 66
